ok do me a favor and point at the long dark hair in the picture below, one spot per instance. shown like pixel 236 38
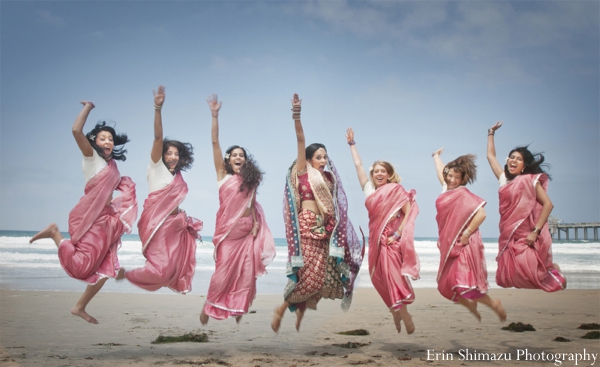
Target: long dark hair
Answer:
pixel 251 174
pixel 186 153
pixel 534 162
pixel 465 164
pixel 311 149
pixel 118 152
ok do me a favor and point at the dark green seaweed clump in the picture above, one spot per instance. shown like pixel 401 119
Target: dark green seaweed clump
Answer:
pixel 561 339
pixel 592 335
pixel 592 326
pixel 354 332
pixel 189 337
pixel 518 327
pixel 352 345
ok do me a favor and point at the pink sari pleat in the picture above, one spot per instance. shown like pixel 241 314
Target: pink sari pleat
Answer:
pixel 462 270
pixel 520 265
pixel 169 241
pixel 239 257
pixel 96 229
pixel 391 266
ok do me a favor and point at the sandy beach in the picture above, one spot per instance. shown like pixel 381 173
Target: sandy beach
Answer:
pixel 36 329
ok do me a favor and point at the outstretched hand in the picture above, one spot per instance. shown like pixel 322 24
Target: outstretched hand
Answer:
pixel 214 104
pixel 350 135
pixel 437 152
pixel 296 102
pixel 159 97
pixel 87 103
pixel 497 125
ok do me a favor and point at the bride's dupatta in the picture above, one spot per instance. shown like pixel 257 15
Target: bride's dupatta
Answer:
pixel 520 265
pixel 344 244
pixel 455 209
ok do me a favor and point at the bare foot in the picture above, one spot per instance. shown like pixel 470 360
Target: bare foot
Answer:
pixel 472 306
pixel 120 275
pixel 397 319
pixel 299 316
pixel 84 315
pixel 277 316
pixel 49 232
pixel 499 310
pixel 203 318
pixel 238 318
pixel 408 322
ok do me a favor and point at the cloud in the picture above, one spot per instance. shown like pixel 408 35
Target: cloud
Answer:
pixel 48 18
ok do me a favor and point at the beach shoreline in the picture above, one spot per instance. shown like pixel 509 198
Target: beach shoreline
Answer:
pixel 36 329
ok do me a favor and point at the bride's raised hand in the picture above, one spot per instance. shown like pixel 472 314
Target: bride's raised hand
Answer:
pixel 87 103
pixel 350 135
pixel 496 126
pixel 159 97
pixel 214 104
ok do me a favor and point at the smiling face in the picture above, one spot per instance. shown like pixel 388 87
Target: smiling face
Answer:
pixel 319 159
pixel 453 178
pixel 104 140
pixel 171 158
pixel 515 163
pixel 380 176
pixel 237 158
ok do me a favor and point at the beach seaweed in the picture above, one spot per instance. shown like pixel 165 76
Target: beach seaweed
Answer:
pixel 202 363
pixel 189 337
pixel 354 332
pixel 591 326
pixel 352 345
pixel 561 339
pixel 592 335
pixel 518 327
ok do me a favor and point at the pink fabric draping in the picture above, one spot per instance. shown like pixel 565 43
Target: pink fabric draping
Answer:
pixel 239 256
pixel 519 265
pixel 462 270
pixel 169 241
pixel 96 229
pixel 391 265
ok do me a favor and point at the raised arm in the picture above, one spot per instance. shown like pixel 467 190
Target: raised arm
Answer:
pixel 491 150
pixel 215 106
pixel 360 171
pixel 478 218
pixel 82 142
pixel 439 165
pixel 157 145
pixel 296 107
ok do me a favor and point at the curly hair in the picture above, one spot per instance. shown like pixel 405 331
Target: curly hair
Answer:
pixel 394 177
pixel 186 153
pixel 465 164
pixel 118 139
pixel 533 162
pixel 251 174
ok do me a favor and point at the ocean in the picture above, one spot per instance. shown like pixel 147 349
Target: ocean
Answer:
pixel 25 266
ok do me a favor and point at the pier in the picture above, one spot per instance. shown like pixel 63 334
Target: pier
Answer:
pixel 556 227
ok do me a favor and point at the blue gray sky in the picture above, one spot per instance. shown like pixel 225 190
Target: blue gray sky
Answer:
pixel 408 76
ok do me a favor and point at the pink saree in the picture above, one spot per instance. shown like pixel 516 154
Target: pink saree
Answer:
pixel 96 229
pixel 169 241
pixel 391 265
pixel 462 271
pixel 519 265
pixel 239 257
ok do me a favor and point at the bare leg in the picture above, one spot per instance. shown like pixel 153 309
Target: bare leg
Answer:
pixel 86 297
pixel 49 232
pixel 203 317
pixel 120 274
pixel 299 316
pixel 407 318
pixel 495 305
pixel 471 305
pixel 397 319
pixel 278 315
pixel 238 318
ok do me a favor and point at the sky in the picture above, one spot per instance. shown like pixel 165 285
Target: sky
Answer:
pixel 408 76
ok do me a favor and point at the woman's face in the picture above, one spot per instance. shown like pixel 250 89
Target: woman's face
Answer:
pixel 319 159
pixel 171 158
pixel 104 140
pixel 515 163
pixel 380 176
pixel 237 160
pixel 453 179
